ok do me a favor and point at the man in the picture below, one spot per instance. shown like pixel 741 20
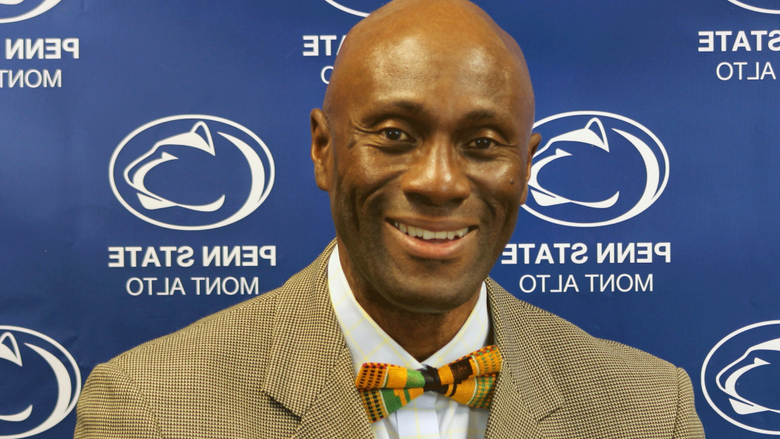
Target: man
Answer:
pixel 424 146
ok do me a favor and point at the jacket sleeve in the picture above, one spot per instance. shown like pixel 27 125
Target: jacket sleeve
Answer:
pixel 111 407
pixel 687 424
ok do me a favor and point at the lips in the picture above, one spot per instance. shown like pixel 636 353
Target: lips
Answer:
pixel 427 235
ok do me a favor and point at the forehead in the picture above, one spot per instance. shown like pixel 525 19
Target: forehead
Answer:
pixel 445 74
pixel 419 57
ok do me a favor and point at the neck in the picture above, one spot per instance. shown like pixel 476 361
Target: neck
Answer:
pixel 420 334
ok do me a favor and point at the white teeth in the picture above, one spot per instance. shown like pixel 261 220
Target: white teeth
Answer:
pixel 417 232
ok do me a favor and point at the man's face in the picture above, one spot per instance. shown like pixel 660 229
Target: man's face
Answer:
pixel 428 166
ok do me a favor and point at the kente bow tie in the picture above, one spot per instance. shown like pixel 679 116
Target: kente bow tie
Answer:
pixel 385 388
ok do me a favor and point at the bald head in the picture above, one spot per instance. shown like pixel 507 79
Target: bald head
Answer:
pixel 409 33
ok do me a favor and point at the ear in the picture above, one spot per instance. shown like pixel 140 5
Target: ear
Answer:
pixel 533 144
pixel 321 149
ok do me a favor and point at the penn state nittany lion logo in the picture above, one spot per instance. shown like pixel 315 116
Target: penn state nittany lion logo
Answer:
pixel 596 169
pixel 360 8
pixel 740 377
pixel 40 382
pixel 191 172
pixel 12 11
pixel 763 6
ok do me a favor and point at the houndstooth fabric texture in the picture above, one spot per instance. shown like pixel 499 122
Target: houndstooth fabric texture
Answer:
pixel 277 367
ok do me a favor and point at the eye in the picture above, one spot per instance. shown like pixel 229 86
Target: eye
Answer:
pixel 481 143
pixel 395 135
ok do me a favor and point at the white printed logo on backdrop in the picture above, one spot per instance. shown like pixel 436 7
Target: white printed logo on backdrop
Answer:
pixel 191 172
pixel 356 7
pixel 12 11
pixel 596 169
pixel 40 382
pixel 740 377
pixel 763 6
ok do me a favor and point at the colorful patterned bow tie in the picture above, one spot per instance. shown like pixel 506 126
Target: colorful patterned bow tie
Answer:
pixel 385 388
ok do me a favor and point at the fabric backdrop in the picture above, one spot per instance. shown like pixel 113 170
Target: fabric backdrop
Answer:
pixel 154 168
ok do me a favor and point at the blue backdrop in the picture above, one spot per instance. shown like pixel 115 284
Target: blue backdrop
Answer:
pixel 154 168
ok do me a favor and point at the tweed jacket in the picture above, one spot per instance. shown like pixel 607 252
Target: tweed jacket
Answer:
pixel 277 366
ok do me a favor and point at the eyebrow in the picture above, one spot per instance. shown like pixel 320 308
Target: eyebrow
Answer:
pixel 402 107
pixel 412 107
pixel 489 119
pixel 396 108
pixel 478 115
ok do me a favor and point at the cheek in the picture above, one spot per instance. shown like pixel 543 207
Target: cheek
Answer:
pixel 503 194
pixel 362 181
pixel 502 185
pixel 369 172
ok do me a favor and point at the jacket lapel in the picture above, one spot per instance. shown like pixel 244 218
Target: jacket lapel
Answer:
pixel 525 391
pixel 337 412
pixel 310 368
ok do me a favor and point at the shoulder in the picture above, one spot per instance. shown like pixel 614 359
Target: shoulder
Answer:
pixel 243 330
pixel 192 383
pixel 600 386
pixel 231 347
pixel 564 343
pixel 203 380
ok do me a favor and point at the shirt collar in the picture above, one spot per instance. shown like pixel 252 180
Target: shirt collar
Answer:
pixel 367 342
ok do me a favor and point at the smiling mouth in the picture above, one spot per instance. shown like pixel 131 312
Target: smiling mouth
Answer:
pixel 427 235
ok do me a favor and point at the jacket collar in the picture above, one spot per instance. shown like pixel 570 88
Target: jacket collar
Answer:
pixel 309 367
pixel 526 391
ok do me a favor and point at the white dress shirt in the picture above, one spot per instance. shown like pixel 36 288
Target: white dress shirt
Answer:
pixel 431 415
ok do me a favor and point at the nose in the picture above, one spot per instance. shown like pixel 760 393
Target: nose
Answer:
pixel 436 176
